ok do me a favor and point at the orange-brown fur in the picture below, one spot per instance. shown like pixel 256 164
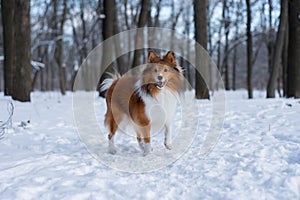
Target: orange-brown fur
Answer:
pixel 123 98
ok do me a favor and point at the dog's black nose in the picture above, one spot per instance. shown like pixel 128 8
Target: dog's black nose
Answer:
pixel 159 77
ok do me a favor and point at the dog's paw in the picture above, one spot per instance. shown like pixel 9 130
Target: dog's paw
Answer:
pixel 141 145
pixel 147 149
pixel 168 146
pixel 112 150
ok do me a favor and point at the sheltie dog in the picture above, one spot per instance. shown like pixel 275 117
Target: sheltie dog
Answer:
pixel 146 101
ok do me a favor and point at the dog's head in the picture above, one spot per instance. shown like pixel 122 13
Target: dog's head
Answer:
pixel 162 71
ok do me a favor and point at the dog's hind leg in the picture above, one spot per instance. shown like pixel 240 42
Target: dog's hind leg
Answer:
pixel 112 125
pixel 111 144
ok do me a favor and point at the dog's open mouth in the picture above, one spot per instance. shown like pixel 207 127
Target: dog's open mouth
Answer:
pixel 160 84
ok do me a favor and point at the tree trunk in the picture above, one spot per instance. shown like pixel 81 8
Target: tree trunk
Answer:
pixel 23 39
pixel 285 60
pixel 293 89
pixel 59 51
pixel 34 80
pixel 219 54
pixel 226 24
pixel 201 89
pixel 271 36
pixel 234 61
pixel 122 66
pixel 174 18
pixel 83 50
pixel 156 18
pixel 188 48
pixel 43 77
pixel 140 35
pixel 249 51
pixel 109 7
pixel 8 8
pixel 276 61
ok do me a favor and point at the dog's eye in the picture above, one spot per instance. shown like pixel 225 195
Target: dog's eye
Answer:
pixel 166 70
pixel 155 70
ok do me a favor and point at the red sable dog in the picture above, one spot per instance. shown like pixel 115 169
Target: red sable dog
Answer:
pixel 146 101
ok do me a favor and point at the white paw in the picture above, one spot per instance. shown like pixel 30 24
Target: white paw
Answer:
pixel 168 146
pixel 141 145
pixel 147 149
pixel 111 148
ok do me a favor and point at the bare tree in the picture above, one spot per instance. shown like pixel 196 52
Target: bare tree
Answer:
pixel 140 35
pixel 201 37
pixel 249 51
pixel 226 23
pixel 158 10
pixel 219 47
pixel 211 8
pixel 8 8
pixel 23 56
pixel 59 49
pixel 187 27
pixel 84 38
pixel 285 60
pixel 271 36
pixel 174 18
pixel 236 37
pixel 88 22
pixel 293 85
pixel 276 61
pixel 121 61
pixel 109 9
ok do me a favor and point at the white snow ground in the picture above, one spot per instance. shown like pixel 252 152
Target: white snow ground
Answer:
pixel 257 156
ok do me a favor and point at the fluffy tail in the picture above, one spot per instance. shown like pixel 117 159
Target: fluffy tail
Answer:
pixel 105 85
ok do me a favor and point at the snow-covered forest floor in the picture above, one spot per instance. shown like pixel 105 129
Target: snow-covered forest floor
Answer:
pixel 256 157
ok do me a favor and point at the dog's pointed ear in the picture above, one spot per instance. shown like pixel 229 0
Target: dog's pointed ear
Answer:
pixel 153 57
pixel 170 57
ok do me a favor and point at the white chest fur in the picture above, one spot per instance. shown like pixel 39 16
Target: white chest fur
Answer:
pixel 161 109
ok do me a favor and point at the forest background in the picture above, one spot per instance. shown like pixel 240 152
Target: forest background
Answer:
pixel 254 43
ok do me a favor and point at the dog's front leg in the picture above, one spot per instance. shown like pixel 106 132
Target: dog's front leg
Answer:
pixel 111 146
pixel 143 137
pixel 168 142
pixel 147 145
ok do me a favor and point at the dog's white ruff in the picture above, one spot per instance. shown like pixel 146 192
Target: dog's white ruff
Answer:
pixel 161 110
